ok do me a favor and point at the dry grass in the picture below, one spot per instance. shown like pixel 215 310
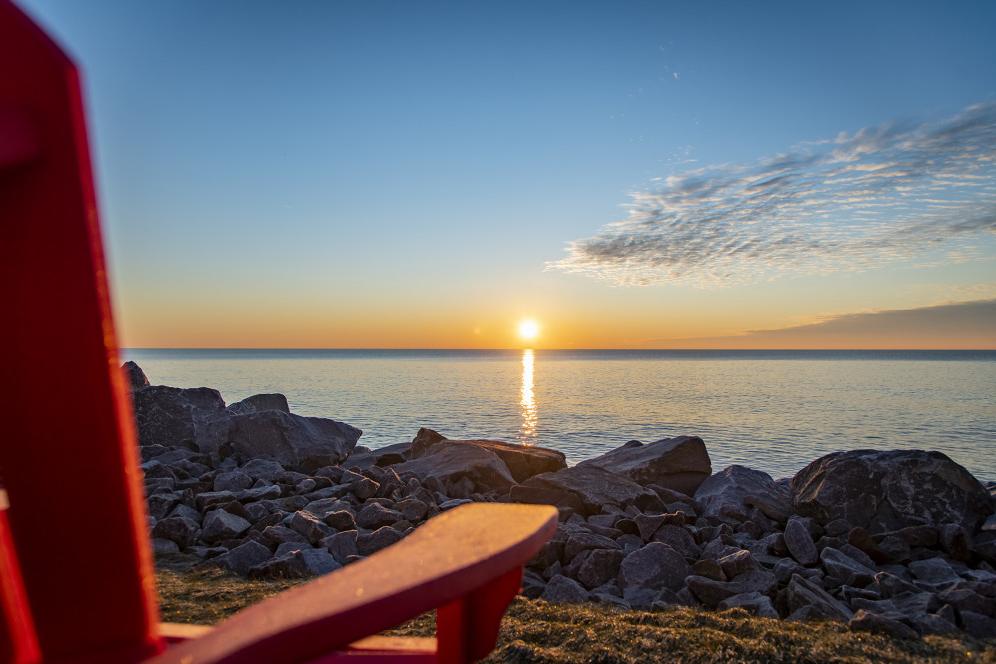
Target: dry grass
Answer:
pixel 534 631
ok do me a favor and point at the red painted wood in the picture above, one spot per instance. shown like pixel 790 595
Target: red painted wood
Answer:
pixel 18 641
pixel 69 450
pixel 68 458
pixel 457 553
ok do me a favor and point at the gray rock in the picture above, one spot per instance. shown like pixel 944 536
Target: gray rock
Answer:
pixel 808 600
pixel 221 525
pixel 978 625
pixel 341 520
pixel 173 416
pixel 680 464
pixel 244 557
pixel 599 567
pixel 884 491
pixel 342 545
pixel 263 469
pixel 460 469
pixel 296 442
pixel 181 530
pixel 255 493
pixel 863 621
pixel 368 543
pixel 562 590
pixel 800 543
pixel 584 540
pixel 309 526
pixel 279 534
pixel 753 602
pixel 586 489
pixel 234 480
pixel 843 567
pixel 522 461
pixel 711 592
pixel 647 524
pixel 710 569
pixel 296 564
pixel 164 547
pixel 412 509
pixel 375 515
pixel 679 539
pixel 654 566
pixel 258 402
pixel 735 564
pixel 935 571
pixel 727 491
pixel 134 376
pixel 208 499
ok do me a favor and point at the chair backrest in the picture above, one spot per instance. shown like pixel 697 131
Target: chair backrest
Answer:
pixel 68 458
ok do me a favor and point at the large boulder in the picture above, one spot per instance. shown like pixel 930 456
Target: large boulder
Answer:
pixel 296 442
pixel 173 416
pixel 585 489
pixel 134 375
pixel 681 463
pixel 522 461
pixel 259 402
pixel 462 470
pixel 729 492
pixel 883 491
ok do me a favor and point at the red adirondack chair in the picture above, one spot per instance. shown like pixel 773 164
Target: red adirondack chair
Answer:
pixel 76 574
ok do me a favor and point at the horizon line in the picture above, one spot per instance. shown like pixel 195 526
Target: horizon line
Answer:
pixel 510 348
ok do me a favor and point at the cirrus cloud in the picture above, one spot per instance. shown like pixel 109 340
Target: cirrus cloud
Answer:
pixel 882 194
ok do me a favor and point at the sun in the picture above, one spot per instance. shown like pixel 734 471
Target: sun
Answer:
pixel 529 329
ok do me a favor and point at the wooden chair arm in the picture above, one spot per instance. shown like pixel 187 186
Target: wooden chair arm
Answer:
pixel 466 562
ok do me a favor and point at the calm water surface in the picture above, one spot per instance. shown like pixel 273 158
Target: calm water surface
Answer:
pixel 772 410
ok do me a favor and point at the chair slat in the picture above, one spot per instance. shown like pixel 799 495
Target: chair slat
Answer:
pixel 68 458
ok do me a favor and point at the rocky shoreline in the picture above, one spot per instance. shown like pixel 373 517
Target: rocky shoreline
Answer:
pixel 901 542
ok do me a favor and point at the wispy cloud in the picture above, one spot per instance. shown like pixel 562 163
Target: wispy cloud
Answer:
pixel 879 195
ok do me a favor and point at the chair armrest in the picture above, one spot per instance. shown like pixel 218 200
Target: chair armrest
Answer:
pixel 448 558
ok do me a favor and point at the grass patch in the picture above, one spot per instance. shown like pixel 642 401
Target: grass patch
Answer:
pixel 535 631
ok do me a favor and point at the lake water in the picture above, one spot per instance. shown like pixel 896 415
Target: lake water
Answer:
pixel 772 410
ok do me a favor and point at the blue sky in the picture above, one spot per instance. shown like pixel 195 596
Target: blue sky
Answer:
pixel 377 172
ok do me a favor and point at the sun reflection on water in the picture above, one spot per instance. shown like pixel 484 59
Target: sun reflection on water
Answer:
pixel 527 400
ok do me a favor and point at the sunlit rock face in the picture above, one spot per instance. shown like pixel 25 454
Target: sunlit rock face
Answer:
pixel 884 491
pixel 523 461
pixel 680 464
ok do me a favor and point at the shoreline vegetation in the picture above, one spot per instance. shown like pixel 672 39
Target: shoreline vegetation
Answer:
pixel 888 550
pixel 540 632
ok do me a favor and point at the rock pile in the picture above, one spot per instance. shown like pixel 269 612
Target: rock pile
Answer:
pixel 902 542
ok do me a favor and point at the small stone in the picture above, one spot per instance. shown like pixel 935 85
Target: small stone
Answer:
pixel 296 564
pixel 368 543
pixel 164 547
pixel 800 543
pixel 364 488
pixel 845 568
pixel 309 525
pixel 341 520
pixel 244 557
pixel 710 569
pixel 737 563
pixel 599 567
pixel 656 565
pixel 220 525
pixel 582 541
pixel 863 621
pixel 753 602
pixel 181 530
pixel 234 480
pixel 562 590
pixel 935 571
pixel 342 545
pixel 412 509
pixel 375 515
